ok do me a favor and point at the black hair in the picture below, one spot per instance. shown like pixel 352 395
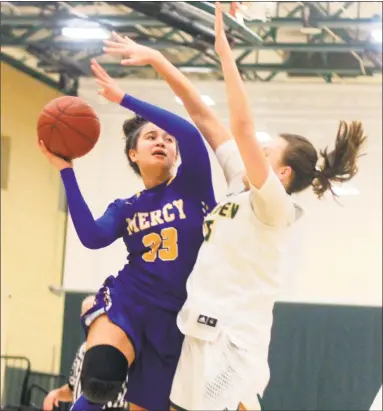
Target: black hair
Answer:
pixel 132 128
pixel 338 165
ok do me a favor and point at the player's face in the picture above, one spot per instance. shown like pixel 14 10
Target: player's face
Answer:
pixel 155 148
pixel 274 152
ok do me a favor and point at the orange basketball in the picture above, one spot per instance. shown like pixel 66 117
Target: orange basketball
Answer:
pixel 69 127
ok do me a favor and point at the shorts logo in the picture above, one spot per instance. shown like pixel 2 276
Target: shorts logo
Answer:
pixel 107 298
pixel 203 319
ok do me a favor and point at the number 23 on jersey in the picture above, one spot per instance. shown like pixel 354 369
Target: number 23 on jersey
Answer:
pixel 163 246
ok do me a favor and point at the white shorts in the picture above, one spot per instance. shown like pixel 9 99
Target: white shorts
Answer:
pixel 215 376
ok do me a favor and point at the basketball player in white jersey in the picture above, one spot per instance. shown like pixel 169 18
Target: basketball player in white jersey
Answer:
pixel 227 317
pixel 228 314
pixel 377 403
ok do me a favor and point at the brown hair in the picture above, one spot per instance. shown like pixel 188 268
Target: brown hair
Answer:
pixel 339 165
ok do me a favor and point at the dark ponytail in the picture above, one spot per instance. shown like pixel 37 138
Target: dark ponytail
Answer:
pixel 339 165
pixel 131 130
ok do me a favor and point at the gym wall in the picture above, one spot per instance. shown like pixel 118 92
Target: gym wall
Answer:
pixel 32 228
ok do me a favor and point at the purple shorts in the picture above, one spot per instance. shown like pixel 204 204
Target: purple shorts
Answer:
pixel 156 339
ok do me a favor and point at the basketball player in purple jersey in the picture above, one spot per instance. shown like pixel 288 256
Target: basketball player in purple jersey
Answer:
pixel 225 366
pixel 132 328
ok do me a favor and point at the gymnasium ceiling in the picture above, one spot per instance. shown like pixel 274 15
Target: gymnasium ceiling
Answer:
pixel 342 50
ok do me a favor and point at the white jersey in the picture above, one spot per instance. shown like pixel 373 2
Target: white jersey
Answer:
pixel 237 276
pixel 377 404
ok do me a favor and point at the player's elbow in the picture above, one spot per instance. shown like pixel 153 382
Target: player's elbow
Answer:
pixel 191 130
pixel 91 242
pixel 91 245
pixel 243 130
pixel 195 134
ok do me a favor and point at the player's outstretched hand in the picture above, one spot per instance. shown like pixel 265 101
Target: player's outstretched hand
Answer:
pixel 109 87
pixel 56 161
pixel 132 53
pixel 221 43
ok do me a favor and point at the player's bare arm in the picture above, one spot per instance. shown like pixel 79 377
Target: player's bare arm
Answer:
pixel 202 115
pixel 241 119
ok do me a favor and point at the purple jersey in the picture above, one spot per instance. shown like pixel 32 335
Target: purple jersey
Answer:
pixel 161 227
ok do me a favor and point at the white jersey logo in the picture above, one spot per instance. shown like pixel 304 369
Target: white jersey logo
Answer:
pixel 203 319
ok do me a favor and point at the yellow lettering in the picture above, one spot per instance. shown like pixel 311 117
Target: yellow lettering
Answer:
pixel 216 209
pixel 132 225
pixel 169 250
pixel 228 210
pixel 168 240
pixel 152 240
pixel 224 210
pixel 165 211
pixel 180 207
pixel 155 218
pixel 207 229
pixel 234 210
pixel 143 223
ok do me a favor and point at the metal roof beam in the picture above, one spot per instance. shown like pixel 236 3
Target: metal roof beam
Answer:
pixel 320 22
pixel 88 44
pixel 269 67
pixel 271 32
pixel 117 21
pixel 345 35
pixel 246 33
pixel 356 46
pixel 172 14
pixel 339 33
pixel 121 21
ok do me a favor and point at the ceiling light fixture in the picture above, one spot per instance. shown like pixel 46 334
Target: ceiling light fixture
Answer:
pixel 85 33
pixel 198 70
pixel 206 99
pixel 376 35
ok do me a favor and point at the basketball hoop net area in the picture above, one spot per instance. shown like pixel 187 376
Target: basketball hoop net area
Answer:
pixel 252 10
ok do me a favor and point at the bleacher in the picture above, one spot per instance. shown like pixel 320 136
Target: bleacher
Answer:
pixel 25 389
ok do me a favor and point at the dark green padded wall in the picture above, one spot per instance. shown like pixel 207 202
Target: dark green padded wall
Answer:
pixel 322 357
pixel 73 335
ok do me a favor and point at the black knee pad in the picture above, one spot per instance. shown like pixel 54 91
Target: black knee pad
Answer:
pixel 104 370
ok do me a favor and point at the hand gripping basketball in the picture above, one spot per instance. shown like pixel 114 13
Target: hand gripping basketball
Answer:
pixel 56 161
pixel 69 127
